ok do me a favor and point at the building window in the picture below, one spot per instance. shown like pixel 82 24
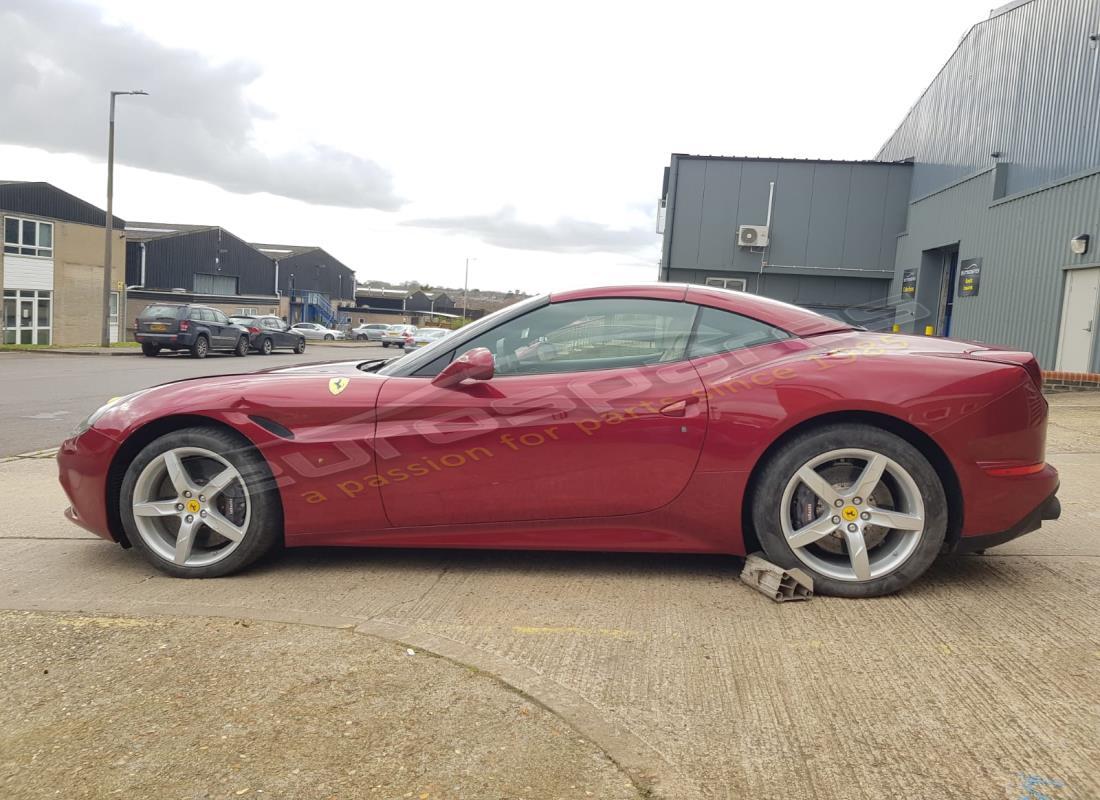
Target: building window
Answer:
pixel 28 237
pixel 737 284
pixel 215 284
pixel 247 312
pixel 27 316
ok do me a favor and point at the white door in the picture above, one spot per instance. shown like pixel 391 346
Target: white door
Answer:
pixel 1078 331
pixel 113 319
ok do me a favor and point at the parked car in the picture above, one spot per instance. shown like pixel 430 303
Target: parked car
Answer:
pixel 423 337
pixel 268 333
pixel 729 423
pixel 396 335
pixel 312 330
pixel 186 326
pixel 369 332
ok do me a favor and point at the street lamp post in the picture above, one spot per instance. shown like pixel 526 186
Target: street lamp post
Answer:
pixel 105 332
pixel 466 286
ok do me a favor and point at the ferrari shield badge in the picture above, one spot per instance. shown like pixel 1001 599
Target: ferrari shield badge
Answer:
pixel 337 385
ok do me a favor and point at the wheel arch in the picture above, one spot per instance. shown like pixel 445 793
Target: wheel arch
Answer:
pixel 905 430
pixel 137 441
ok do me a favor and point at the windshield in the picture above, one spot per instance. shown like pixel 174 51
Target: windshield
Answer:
pixel 407 365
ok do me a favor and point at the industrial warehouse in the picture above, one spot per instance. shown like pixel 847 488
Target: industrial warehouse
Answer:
pixel 977 219
pixel 52 273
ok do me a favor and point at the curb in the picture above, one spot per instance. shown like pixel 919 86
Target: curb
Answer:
pixel 49 452
pixel 76 351
pixel 649 771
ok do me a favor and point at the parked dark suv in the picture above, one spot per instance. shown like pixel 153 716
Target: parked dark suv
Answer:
pixel 268 332
pixel 183 326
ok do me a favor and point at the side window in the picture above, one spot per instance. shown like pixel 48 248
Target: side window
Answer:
pixel 594 334
pixel 721 331
pixel 219 317
pixel 201 315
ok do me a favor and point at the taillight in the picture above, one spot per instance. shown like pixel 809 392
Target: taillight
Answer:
pixel 1019 358
pixel 253 330
pixel 184 324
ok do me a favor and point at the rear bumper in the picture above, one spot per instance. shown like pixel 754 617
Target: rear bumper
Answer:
pixel 165 339
pixel 1049 509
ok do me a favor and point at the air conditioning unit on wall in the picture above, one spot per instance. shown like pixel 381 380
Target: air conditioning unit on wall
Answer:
pixel 752 236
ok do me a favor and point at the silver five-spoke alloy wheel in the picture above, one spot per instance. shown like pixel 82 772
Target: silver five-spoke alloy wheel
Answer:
pixel 191 506
pixel 852 514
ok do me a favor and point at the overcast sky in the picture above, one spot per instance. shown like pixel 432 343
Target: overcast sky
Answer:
pixel 404 137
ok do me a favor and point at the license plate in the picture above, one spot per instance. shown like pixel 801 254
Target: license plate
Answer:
pixel 157 326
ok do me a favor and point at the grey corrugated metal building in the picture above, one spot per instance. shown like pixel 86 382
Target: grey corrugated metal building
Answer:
pixel 204 259
pixel 316 282
pixel 997 239
pixel 832 229
pixel 1006 149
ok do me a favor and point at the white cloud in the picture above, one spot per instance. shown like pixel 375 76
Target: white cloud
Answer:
pixel 60 59
pixel 565 112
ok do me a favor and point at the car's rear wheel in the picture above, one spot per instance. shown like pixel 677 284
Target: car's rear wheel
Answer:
pixel 385 344
pixel 200 348
pixel 362 337
pixel 150 350
pixel 300 347
pixel 859 508
pixel 266 347
pixel 200 503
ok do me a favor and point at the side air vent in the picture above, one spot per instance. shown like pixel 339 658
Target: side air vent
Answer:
pixel 271 426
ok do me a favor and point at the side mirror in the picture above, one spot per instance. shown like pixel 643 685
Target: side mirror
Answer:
pixel 474 365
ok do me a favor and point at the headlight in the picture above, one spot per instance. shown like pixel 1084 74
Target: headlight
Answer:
pixel 96 415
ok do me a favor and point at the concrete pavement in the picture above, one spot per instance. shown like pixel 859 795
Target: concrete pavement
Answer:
pixel 144 707
pixel 981 681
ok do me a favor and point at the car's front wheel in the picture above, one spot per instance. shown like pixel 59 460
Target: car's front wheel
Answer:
pixel 329 337
pixel 242 347
pixel 300 347
pixel 859 508
pixel 200 503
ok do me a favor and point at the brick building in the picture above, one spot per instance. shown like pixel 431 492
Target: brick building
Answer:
pixel 52 266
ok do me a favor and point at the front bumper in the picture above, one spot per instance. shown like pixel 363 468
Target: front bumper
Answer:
pixel 1049 509
pixel 82 463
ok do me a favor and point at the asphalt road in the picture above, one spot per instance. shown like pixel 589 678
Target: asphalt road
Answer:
pixel 982 680
pixel 43 396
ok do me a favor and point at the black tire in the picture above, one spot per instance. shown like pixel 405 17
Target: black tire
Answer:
pixel 301 346
pixel 241 349
pixel 266 346
pixel 770 484
pixel 265 529
pixel 385 344
pixel 150 350
pixel 362 337
pixel 329 337
pixel 201 347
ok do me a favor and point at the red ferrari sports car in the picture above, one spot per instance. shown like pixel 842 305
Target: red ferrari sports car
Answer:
pixel 661 418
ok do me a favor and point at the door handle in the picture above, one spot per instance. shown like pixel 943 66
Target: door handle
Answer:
pixel 679 408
